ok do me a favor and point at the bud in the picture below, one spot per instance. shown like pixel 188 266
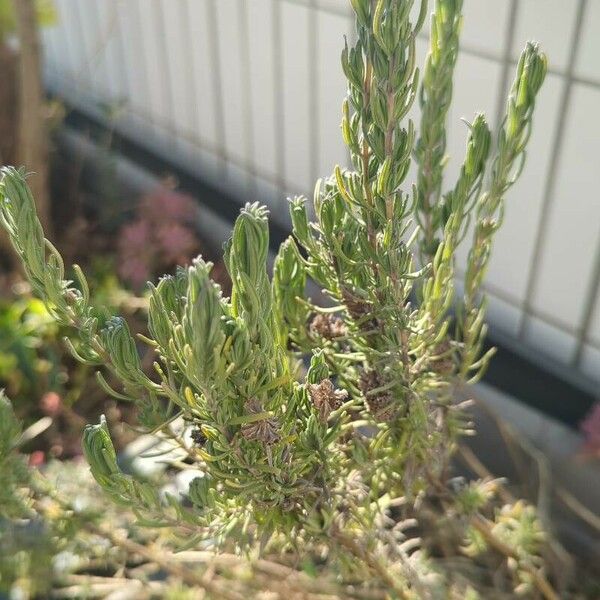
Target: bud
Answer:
pixel 247 265
pixel 121 347
pixel 100 452
pixel 202 326
pixel 250 242
pixel 299 219
pixel 289 281
pixel 166 302
pixel 531 73
pixel 318 368
pixel 478 147
pixel 241 349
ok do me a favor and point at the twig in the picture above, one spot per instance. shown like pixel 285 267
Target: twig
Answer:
pixel 163 561
pixel 371 561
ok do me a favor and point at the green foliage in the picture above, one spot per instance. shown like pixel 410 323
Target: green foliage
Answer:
pixel 12 466
pixel 29 350
pixel 435 96
pixel 320 456
pixel 25 547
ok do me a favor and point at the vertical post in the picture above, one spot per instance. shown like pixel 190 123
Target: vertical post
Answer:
pixel 32 144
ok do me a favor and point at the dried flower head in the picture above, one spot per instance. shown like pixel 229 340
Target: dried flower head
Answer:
pixel 357 307
pixel 326 398
pixel 263 428
pixel 443 360
pixel 327 326
pixel 380 404
pixel 360 310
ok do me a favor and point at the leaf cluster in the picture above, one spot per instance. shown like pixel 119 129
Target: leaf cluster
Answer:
pixel 321 454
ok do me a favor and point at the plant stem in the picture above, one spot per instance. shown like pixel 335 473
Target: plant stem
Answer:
pixel 371 561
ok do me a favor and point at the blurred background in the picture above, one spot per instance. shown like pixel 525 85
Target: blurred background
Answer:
pixel 245 95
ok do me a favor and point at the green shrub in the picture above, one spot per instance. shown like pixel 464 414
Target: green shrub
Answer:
pixel 343 457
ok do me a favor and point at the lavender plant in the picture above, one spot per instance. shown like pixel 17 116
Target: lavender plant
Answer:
pixel 340 455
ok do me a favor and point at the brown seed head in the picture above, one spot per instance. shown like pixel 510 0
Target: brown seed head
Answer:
pixel 357 307
pixel 326 398
pixel 443 362
pixel 359 310
pixel 327 326
pixel 381 404
pixel 265 430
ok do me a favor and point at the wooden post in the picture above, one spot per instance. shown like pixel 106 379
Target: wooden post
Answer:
pixel 32 140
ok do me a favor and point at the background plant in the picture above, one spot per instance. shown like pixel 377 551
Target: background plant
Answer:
pixel 30 349
pixel 159 237
pixel 347 455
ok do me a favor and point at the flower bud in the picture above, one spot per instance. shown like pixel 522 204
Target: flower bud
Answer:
pixel 299 219
pixel 531 73
pixel 121 347
pixel 318 370
pixel 478 147
pixel 100 452
pixel 289 281
pixel 250 242
pixel 202 326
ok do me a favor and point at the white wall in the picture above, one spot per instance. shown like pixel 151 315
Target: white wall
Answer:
pixel 248 94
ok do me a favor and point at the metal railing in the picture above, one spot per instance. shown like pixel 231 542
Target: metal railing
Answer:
pixel 247 93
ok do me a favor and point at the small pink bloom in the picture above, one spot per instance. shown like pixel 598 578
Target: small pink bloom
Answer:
pixel 134 270
pixel 37 458
pixel 177 242
pixel 135 234
pixel 590 427
pixel 51 404
pixel 167 205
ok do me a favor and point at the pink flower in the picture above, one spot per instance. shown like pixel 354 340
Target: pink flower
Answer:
pixel 37 458
pixel 590 427
pixel 51 404
pixel 134 235
pixel 177 243
pixel 167 205
pixel 135 270
pixel 158 238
